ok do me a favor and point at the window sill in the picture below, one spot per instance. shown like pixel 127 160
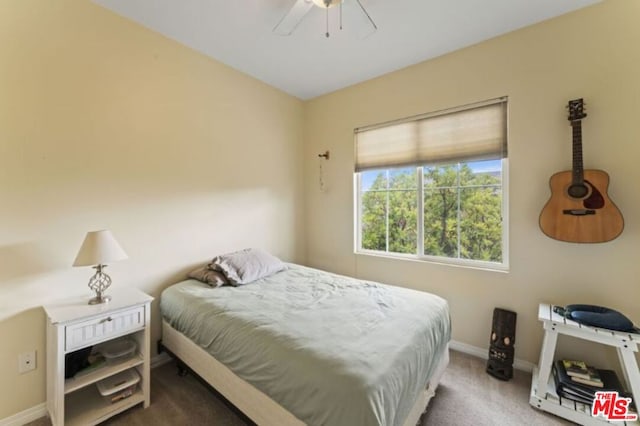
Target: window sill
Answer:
pixel 460 263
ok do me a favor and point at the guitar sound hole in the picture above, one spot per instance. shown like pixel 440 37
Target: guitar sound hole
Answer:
pixel 578 191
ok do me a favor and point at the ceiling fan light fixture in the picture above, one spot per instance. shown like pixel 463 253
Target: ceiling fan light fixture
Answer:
pixel 300 8
pixel 325 4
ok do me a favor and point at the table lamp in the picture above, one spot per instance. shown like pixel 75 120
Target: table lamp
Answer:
pixel 98 248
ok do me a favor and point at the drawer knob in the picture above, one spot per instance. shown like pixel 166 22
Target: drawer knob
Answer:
pixel 107 319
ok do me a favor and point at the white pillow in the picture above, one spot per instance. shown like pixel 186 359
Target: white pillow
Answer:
pixel 248 265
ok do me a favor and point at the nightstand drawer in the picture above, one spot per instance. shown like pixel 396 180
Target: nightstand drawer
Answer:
pixel 103 327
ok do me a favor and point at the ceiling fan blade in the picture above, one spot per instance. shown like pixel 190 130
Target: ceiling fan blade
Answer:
pixel 293 17
pixel 366 26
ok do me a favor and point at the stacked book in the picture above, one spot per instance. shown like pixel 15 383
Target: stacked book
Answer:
pixel 579 382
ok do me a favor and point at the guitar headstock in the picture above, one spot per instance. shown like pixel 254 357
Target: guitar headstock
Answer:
pixel 576 110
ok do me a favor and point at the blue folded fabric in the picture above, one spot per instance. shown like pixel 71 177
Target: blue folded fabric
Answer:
pixel 599 316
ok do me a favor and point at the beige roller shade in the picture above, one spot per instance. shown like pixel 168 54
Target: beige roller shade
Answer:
pixel 470 133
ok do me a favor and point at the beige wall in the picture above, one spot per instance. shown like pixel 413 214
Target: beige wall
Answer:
pixel 591 53
pixel 104 124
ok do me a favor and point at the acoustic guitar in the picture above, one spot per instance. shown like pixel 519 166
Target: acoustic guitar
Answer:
pixel 579 210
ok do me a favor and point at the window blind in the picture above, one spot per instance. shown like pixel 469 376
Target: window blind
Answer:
pixel 473 132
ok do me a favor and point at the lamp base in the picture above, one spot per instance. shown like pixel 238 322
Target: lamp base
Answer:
pixel 99 283
pixel 100 299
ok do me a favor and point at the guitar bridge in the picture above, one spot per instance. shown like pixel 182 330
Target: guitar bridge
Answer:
pixel 578 212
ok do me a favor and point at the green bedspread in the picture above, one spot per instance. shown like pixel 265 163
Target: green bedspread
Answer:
pixel 330 349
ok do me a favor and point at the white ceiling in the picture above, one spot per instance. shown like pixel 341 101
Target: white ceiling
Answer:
pixel 306 64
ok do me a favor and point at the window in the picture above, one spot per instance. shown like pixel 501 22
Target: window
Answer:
pixel 433 187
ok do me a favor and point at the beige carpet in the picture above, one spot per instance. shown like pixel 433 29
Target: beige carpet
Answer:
pixel 466 396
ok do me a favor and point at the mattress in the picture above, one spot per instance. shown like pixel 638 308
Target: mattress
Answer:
pixel 330 349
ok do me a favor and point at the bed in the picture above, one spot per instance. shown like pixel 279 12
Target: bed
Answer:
pixel 304 346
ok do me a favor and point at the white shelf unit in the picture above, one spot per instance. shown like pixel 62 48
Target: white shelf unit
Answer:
pixel 73 325
pixel 543 395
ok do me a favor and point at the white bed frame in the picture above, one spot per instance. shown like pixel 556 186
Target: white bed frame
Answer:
pixel 253 403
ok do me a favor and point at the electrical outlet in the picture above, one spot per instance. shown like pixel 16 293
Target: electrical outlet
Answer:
pixel 27 361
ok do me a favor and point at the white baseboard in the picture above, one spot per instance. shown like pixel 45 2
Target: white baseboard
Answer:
pixel 26 416
pixel 40 410
pixel 160 359
pixel 518 364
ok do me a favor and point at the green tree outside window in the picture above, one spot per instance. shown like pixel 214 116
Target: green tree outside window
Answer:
pixel 462 215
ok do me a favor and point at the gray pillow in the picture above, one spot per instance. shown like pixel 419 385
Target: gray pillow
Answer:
pixel 208 276
pixel 248 265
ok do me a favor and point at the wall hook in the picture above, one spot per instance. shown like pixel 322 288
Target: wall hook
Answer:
pixel 325 155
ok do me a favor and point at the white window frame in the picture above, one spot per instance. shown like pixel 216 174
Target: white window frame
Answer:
pixel 419 256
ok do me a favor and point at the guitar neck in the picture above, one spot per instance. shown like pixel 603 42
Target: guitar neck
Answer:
pixel 578 168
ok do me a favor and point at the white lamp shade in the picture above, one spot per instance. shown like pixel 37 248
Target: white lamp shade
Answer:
pixel 98 248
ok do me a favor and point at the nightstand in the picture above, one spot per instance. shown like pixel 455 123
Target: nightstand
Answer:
pixel 72 324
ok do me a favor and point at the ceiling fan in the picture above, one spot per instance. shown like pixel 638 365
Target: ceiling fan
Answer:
pixel 301 8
